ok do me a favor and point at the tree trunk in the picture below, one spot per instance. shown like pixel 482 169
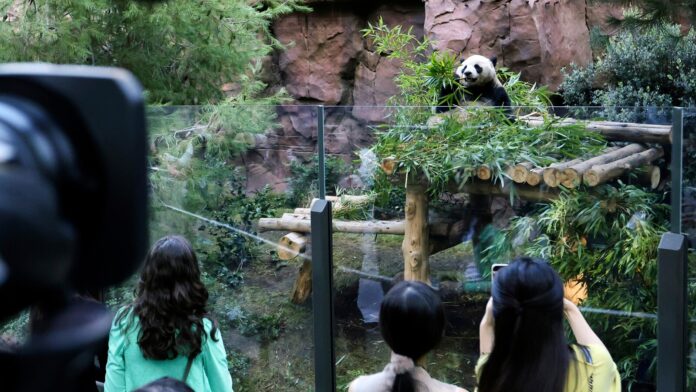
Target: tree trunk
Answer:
pixel 573 175
pixel 415 246
pixel 602 173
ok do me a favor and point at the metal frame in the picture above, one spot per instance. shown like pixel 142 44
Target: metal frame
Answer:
pixel 322 297
pixel 672 331
pixel 676 167
pixel 321 180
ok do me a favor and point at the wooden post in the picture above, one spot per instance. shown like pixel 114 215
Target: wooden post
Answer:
pixel 416 245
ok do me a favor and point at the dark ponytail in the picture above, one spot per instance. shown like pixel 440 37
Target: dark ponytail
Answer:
pixel 412 321
pixel 530 351
pixel 403 383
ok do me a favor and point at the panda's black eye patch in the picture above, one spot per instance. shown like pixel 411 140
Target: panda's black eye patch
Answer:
pixel 478 68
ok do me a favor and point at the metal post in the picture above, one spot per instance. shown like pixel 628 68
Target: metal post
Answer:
pixel 322 297
pixel 321 180
pixel 672 337
pixel 676 168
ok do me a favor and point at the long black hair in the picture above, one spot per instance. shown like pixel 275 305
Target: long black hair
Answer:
pixel 530 351
pixel 171 301
pixel 412 321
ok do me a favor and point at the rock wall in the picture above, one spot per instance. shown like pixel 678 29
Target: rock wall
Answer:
pixel 327 61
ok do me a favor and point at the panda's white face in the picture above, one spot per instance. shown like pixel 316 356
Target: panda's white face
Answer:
pixel 476 70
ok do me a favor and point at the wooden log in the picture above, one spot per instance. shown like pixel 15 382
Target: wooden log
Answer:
pixel 553 174
pixel 415 246
pixel 294 223
pixel 483 172
pixel 388 165
pixel 573 175
pixel 291 245
pixel 519 172
pixel 522 191
pixel 629 132
pixel 303 284
pixel 302 224
pixel 602 173
pixel 651 175
pixel 535 176
pixel 303 211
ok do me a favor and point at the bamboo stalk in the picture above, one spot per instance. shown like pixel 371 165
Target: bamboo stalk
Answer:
pixel 602 173
pixel 573 175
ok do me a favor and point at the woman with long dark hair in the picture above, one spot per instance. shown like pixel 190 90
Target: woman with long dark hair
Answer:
pixel 412 322
pixel 165 332
pixel 522 341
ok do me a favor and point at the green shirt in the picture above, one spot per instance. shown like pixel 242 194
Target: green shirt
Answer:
pixel 128 369
pixel 592 370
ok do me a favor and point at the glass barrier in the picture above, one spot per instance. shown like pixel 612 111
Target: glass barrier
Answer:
pixel 584 188
pixel 689 228
pixel 225 177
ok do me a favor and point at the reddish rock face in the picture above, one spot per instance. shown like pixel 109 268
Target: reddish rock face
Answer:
pixel 327 61
pixel 321 53
pixel 535 37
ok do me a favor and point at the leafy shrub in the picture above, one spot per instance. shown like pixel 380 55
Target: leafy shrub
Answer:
pixel 608 240
pixel 303 178
pixel 640 68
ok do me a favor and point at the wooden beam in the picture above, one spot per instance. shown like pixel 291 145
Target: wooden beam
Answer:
pixel 629 132
pixel 415 246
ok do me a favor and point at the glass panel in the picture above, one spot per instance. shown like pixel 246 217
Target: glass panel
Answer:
pixel 600 226
pixel 689 228
pixel 224 177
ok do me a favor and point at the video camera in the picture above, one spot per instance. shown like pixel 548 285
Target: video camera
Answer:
pixel 73 209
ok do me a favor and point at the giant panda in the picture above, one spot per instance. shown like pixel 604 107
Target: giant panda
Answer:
pixel 478 77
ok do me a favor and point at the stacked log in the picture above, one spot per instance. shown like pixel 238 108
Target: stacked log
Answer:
pixel 573 174
pixel 615 131
pixel 602 173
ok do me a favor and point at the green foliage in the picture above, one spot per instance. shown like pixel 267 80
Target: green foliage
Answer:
pixel 266 327
pixel 452 150
pixel 181 51
pixel 640 68
pixel 607 238
pixel 303 178
pixel 425 73
pixel 648 13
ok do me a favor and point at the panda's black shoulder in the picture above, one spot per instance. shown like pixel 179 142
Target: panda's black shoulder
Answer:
pixel 500 96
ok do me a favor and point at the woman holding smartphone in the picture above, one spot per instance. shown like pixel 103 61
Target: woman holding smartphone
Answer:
pixel 522 342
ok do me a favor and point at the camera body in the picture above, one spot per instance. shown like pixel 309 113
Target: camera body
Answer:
pixel 73 207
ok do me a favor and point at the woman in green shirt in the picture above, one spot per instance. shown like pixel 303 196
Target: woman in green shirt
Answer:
pixel 165 332
pixel 522 342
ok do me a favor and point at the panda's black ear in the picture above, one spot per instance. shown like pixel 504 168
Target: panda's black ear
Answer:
pixel 494 60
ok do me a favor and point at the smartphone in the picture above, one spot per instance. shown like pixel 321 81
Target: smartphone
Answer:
pixel 495 268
